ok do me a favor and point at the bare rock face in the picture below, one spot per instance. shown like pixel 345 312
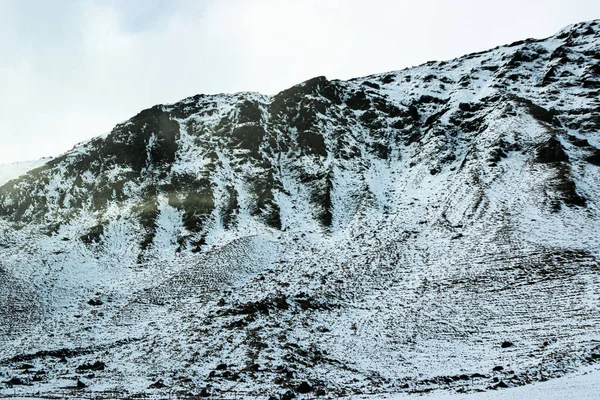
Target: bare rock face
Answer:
pixel 430 228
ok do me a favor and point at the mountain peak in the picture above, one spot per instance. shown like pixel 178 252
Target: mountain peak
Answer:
pixel 585 28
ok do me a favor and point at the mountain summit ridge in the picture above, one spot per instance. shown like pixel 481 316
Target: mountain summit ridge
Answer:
pixel 395 232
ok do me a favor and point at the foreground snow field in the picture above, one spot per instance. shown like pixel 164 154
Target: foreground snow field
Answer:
pixel 584 386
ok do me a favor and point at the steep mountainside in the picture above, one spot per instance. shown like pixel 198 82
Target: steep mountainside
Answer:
pixel 435 227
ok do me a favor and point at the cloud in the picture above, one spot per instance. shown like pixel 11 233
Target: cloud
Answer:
pixel 71 70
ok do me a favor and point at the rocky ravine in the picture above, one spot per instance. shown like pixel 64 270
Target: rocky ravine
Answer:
pixel 430 228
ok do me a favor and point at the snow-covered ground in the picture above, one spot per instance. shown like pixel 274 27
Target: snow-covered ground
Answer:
pixel 582 386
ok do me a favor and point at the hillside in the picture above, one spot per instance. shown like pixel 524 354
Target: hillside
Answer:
pixel 9 171
pixel 430 228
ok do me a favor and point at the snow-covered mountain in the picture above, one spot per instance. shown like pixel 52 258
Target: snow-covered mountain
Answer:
pixel 13 170
pixel 430 228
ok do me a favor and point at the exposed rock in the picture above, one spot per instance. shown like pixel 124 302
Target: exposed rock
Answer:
pixel 304 388
pixel 551 151
pixel 159 384
pixel 96 366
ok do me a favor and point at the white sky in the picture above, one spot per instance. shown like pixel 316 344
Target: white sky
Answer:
pixel 72 69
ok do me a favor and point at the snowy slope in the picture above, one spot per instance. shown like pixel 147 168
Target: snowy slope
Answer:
pixel 424 229
pixel 10 171
pixel 571 387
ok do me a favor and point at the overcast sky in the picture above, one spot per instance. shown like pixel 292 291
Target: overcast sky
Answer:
pixel 72 69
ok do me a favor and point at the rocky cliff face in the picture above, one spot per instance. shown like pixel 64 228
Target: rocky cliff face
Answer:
pixel 434 227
